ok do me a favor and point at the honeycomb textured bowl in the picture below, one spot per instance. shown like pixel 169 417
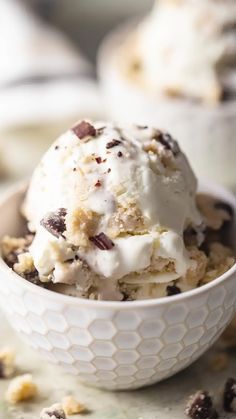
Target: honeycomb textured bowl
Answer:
pixel 115 345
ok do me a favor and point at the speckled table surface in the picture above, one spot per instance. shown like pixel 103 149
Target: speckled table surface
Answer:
pixel 165 400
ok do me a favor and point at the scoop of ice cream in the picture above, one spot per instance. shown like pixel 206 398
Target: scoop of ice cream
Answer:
pixel 116 200
pixel 188 47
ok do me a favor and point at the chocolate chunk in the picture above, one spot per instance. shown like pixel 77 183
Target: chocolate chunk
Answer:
pixel 229 396
pixel 98 184
pixel 172 290
pixel 225 207
pixel 195 236
pixel 84 129
pixel 98 160
pixel 56 147
pixel 54 222
pixel 109 170
pixel 113 143
pixel 32 277
pixel 119 154
pixel 200 406
pixel 167 141
pixel 102 241
pixel 11 259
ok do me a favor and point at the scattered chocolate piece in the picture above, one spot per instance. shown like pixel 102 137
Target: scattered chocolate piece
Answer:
pixel 54 222
pixel 102 241
pixel 200 406
pixel 172 290
pixel 56 147
pixel 74 169
pixel 98 184
pixel 225 207
pixel 119 154
pixel 167 141
pixel 109 170
pixel 229 395
pixel 84 129
pixel 98 160
pixel 113 143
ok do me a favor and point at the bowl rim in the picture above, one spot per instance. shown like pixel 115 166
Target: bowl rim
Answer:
pixel 104 60
pixel 203 186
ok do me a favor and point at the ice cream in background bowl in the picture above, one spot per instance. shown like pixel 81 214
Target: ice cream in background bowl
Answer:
pixel 120 261
pixel 177 69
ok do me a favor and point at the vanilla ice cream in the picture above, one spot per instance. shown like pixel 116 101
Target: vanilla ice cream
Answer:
pixel 187 48
pixel 112 211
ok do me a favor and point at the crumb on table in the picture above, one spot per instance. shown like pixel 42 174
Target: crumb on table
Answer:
pixel 21 388
pixel 7 362
pixel 53 412
pixel 71 406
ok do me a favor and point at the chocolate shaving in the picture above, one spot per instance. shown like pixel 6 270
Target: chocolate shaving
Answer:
pixel 167 141
pixel 102 241
pixel 98 160
pixel 113 143
pixel 119 154
pixel 200 406
pixel 109 170
pixel 54 222
pixel 172 290
pixel 100 130
pixel 229 395
pixel 84 129
pixel 56 147
pixel 142 126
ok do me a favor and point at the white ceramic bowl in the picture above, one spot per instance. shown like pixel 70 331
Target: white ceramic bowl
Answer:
pixel 116 345
pixel 207 134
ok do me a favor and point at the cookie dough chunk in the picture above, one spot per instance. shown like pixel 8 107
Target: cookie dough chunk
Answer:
pixel 7 363
pixel 21 388
pixel 54 412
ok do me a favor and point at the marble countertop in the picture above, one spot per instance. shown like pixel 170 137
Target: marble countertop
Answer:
pixel 165 400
